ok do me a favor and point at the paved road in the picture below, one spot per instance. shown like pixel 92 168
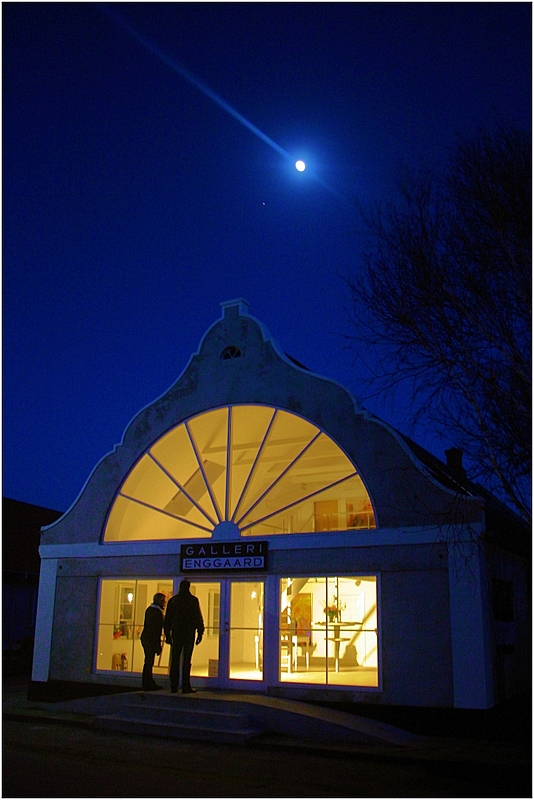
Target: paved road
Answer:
pixel 43 759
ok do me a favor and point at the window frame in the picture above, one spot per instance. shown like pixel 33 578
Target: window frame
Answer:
pixel 330 686
pixel 234 509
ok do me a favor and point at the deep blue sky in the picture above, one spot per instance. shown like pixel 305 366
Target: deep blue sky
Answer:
pixel 133 204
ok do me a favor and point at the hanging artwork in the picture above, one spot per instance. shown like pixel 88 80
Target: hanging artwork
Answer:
pixel 301 613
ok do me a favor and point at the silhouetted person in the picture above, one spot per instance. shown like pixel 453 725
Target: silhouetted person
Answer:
pixel 182 621
pixel 151 640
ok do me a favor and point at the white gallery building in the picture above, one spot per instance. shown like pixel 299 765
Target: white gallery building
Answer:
pixel 333 558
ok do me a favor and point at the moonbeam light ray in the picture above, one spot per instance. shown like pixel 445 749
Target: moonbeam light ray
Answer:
pixel 194 81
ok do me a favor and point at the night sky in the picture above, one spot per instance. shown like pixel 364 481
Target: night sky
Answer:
pixel 134 203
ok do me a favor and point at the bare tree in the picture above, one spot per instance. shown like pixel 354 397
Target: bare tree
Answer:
pixel 443 297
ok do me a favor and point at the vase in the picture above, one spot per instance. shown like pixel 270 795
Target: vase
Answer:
pixel 332 616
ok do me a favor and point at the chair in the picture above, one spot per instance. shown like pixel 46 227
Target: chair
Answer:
pixel 306 646
pixel 288 659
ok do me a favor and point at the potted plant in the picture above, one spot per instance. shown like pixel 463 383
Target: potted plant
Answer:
pixel 334 608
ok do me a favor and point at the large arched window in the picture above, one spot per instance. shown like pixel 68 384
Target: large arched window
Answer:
pixel 256 469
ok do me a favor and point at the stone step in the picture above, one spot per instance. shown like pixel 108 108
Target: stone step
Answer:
pixel 177 701
pixel 204 728
pixel 196 715
pixel 181 717
pixel 258 713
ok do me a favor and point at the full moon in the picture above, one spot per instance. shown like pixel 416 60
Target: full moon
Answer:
pixel 300 165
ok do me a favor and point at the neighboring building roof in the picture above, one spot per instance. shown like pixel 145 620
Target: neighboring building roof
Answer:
pixel 441 471
pixel 499 517
pixel 21 534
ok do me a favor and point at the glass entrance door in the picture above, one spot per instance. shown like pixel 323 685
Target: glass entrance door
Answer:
pixel 246 631
pixel 206 655
pixel 231 651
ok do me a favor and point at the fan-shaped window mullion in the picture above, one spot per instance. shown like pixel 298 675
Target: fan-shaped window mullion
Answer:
pixel 253 468
pixel 166 513
pixel 251 464
pixel 297 502
pixel 228 464
pixel 279 478
pixel 202 470
pixel 183 490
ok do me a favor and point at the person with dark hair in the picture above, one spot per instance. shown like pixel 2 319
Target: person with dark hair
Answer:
pixel 182 621
pixel 151 640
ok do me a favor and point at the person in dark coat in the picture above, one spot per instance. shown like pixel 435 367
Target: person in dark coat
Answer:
pixel 182 621
pixel 151 640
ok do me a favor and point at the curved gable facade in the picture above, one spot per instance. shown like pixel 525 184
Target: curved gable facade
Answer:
pixel 399 490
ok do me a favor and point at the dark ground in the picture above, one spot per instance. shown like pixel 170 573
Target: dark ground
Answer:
pixel 50 759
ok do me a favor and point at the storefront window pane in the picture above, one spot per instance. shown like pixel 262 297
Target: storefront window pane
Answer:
pixel 123 604
pixel 205 661
pixel 246 630
pixel 328 631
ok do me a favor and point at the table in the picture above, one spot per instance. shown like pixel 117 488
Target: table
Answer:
pixel 337 638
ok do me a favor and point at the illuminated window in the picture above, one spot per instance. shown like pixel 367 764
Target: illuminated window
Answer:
pixel 265 470
pixel 214 613
pixel 328 631
pixel 123 604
